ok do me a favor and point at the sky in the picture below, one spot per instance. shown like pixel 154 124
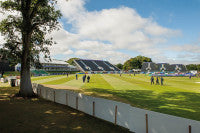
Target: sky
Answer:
pixel 167 31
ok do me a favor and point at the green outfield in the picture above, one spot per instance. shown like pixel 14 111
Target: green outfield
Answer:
pixel 178 96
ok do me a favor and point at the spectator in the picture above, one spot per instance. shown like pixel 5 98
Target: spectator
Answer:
pixel 157 81
pixel 84 77
pixel 152 80
pixel 161 80
pixel 88 78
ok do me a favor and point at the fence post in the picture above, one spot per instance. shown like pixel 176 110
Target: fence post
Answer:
pixel 66 99
pixel 54 96
pixel 77 103
pixel 116 114
pixel 93 108
pixel 190 129
pixel 146 117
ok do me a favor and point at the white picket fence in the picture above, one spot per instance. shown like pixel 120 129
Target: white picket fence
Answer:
pixel 135 119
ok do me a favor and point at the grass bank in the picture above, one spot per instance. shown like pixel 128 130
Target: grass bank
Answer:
pixel 19 115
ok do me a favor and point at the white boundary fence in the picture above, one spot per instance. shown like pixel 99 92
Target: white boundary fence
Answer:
pixel 135 119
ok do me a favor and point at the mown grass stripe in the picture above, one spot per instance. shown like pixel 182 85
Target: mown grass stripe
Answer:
pixel 49 79
pixel 61 80
pixel 44 77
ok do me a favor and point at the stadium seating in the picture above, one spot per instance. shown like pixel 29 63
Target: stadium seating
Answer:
pixel 162 67
pixel 95 65
pixel 82 65
pixel 105 67
pixel 149 67
pixel 112 67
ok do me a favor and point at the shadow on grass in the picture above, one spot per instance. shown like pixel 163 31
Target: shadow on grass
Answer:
pixel 183 104
pixel 38 115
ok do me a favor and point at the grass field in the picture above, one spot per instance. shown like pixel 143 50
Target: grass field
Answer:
pixel 18 115
pixel 179 96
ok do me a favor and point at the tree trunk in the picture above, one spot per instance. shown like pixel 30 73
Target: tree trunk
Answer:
pixel 25 83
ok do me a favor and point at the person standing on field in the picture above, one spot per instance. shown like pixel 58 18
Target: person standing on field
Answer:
pixel 152 80
pixel 76 77
pixel 157 81
pixel 84 77
pixel 161 80
pixel 88 78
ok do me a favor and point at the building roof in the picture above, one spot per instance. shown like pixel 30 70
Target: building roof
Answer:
pixel 53 61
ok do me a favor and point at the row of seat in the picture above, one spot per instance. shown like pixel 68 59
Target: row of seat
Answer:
pixel 153 67
pixel 96 65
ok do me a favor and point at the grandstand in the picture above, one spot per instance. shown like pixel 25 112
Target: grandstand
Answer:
pixel 56 65
pixel 95 66
pixel 50 67
pixel 180 68
pixel 149 67
pixel 163 67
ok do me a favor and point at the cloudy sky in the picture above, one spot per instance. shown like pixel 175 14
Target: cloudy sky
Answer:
pixel 116 30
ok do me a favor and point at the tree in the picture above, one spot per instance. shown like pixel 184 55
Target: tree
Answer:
pixel 120 66
pixel 191 67
pixel 198 67
pixel 71 61
pixel 25 34
pixel 136 62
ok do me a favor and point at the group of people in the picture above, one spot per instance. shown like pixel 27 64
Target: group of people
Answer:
pixel 129 74
pixel 86 77
pixel 157 80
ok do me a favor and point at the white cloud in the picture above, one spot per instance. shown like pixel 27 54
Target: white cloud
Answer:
pixel 102 34
pixel 120 28
pixel 113 56
pixel 69 52
pixel 82 53
pixel 155 30
pixel 72 9
pixel 195 48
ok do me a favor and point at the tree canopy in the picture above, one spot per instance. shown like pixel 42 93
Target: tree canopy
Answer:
pixel 193 67
pixel 26 34
pixel 120 66
pixel 136 62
